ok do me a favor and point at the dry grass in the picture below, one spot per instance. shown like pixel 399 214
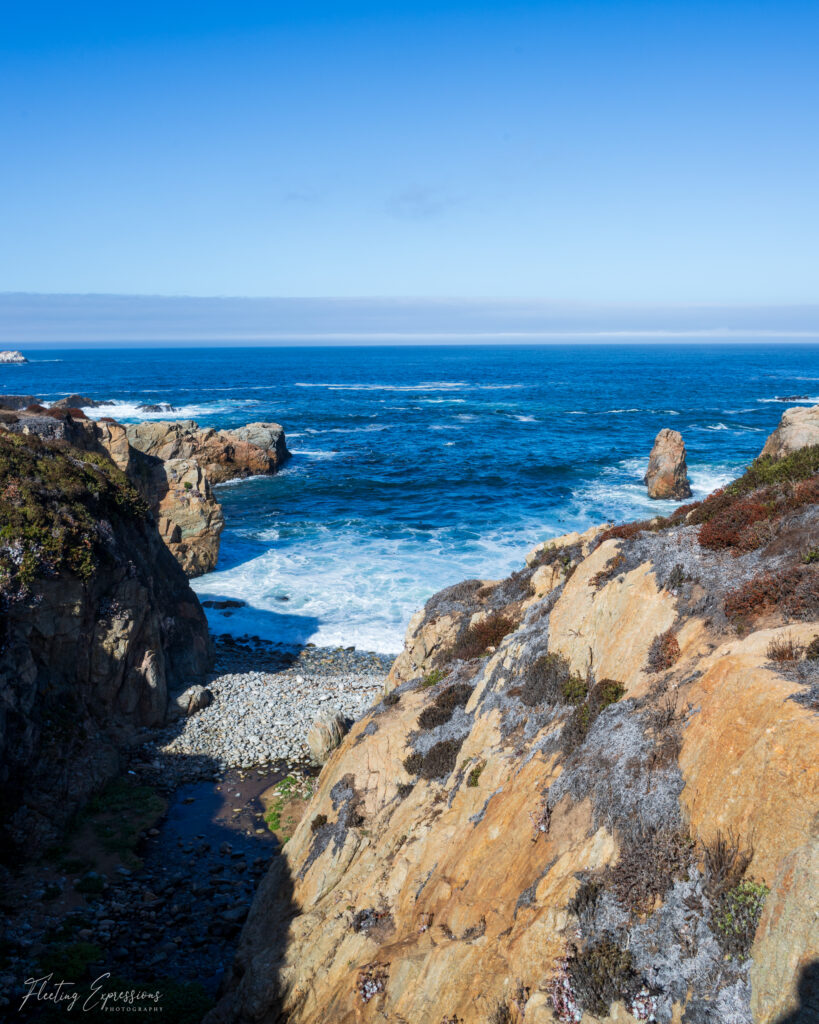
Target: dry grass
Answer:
pixel 664 651
pixel 725 861
pixel 784 649
pixel 474 641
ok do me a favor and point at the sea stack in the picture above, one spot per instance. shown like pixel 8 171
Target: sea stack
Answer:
pixel 12 357
pixel 667 474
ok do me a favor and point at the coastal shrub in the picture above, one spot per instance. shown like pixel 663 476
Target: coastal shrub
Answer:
pixel 443 707
pixel 784 649
pixel 765 471
pixel 438 761
pixel 392 698
pixel 544 679
pixel 611 569
pixel 606 693
pixel 319 821
pixel 810 556
pixel 574 690
pixel 736 918
pixel 793 591
pixel 625 531
pixel 676 578
pixel 812 650
pixel 600 975
pixel 725 861
pixel 664 651
pixel 489 632
pixel 584 902
pixel 651 860
pixel 56 507
pixel 404 788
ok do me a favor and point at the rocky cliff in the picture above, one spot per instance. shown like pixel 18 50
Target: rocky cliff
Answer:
pixel 255 449
pixel 97 620
pixel 592 791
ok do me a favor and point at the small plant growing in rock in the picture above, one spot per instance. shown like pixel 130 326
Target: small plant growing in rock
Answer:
pixel 319 821
pixel 725 861
pixel 404 788
pixel 444 705
pixel 438 761
pixel 584 902
pixel 600 975
pixel 475 774
pixel 810 556
pixel 736 917
pixel 452 1019
pixel 392 698
pixel 372 981
pixel 561 995
pixel 414 763
pixel 784 649
pixel 676 578
pixel 812 650
pixel 664 652
pixel 501 1013
pixel 432 678
pixel 650 862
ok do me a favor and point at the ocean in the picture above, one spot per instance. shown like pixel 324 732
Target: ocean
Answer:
pixel 416 467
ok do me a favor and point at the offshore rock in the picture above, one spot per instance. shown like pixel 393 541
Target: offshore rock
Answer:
pixel 12 356
pixel 532 824
pixel 98 620
pixel 667 474
pixel 798 428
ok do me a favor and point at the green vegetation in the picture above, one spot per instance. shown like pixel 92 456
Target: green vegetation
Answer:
pixel 544 680
pixel 651 861
pixel 475 774
pixel 287 790
pixel 432 678
pixel 737 916
pixel 54 504
pixel 438 761
pixel 575 690
pixel 811 556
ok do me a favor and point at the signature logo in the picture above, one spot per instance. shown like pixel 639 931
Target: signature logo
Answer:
pixel 64 993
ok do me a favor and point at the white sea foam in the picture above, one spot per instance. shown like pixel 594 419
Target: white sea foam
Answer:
pixel 526 419
pixel 807 400
pixel 131 411
pixel 318 455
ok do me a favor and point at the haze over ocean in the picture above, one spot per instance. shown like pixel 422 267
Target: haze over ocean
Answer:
pixel 414 468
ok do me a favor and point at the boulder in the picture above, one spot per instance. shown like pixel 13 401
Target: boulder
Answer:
pixel 326 733
pixel 157 407
pixel 195 698
pixel 12 356
pixel 798 428
pixel 667 474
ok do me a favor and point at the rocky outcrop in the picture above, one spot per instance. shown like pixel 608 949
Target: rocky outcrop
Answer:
pixel 256 449
pixel 16 401
pixel 667 474
pixel 14 356
pixel 326 733
pixel 591 787
pixel 798 428
pixel 78 402
pixel 98 621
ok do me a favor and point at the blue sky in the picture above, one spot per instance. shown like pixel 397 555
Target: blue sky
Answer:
pixel 563 152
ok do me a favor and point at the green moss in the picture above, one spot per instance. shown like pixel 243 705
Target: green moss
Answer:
pixel 737 916
pixel 54 501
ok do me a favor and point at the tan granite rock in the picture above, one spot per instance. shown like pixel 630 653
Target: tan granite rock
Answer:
pixel 667 473
pixel 798 428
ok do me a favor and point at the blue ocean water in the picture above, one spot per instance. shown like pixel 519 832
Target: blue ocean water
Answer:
pixel 414 468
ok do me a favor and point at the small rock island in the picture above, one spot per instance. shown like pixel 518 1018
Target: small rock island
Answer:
pixel 12 356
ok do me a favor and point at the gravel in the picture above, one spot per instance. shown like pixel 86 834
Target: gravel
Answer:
pixel 266 697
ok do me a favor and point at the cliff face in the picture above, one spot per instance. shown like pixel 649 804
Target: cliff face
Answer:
pixel 593 789
pixel 96 621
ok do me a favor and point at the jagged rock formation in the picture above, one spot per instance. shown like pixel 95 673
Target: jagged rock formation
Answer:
pixel 12 357
pixel 15 402
pixel 798 428
pixel 594 785
pixel 667 474
pixel 78 402
pixel 256 449
pixel 97 620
